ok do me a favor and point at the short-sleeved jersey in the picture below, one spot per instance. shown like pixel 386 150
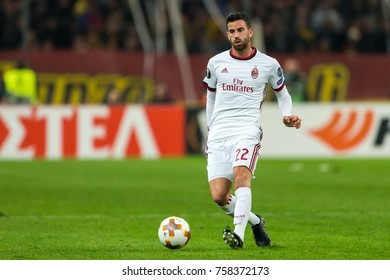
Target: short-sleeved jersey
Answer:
pixel 240 86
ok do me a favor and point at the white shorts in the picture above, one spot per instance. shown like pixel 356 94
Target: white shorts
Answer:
pixel 223 156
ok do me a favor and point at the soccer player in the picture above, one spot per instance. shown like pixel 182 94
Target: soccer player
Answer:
pixel 236 82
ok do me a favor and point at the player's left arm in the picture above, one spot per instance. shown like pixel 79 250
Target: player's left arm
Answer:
pixel 277 82
pixel 285 105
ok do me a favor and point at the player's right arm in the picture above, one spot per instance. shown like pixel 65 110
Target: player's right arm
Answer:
pixel 210 83
pixel 210 106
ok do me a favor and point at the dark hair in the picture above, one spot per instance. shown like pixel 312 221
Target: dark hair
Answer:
pixel 237 16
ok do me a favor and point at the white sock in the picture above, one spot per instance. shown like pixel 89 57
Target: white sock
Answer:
pixel 229 210
pixel 242 210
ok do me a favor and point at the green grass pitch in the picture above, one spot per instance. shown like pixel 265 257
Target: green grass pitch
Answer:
pixel 333 209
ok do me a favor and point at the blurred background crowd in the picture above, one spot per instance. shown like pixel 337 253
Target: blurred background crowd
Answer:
pixel 290 29
pixel 288 26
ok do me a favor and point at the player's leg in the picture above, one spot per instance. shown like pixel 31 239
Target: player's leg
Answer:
pixel 247 151
pixel 220 175
pixel 220 189
pixel 242 184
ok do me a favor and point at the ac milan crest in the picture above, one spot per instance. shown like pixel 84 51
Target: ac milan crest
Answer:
pixel 255 73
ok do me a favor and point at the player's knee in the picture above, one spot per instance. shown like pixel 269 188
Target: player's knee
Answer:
pixel 220 199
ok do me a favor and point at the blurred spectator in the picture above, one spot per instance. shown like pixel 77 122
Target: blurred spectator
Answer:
pixel 114 97
pixel 162 94
pixel 20 85
pixel 372 36
pixel 295 79
pixel 303 37
pixel 10 24
pixel 325 16
pixel 329 26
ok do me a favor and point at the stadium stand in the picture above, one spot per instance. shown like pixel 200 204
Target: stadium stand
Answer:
pixel 289 26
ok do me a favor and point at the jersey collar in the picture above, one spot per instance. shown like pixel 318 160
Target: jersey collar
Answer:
pixel 254 51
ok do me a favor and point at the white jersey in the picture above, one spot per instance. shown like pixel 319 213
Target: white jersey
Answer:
pixel 240 85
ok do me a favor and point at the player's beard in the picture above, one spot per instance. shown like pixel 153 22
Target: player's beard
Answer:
pixel 242 46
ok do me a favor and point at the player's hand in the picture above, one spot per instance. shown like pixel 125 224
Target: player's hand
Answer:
pixel 292 121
